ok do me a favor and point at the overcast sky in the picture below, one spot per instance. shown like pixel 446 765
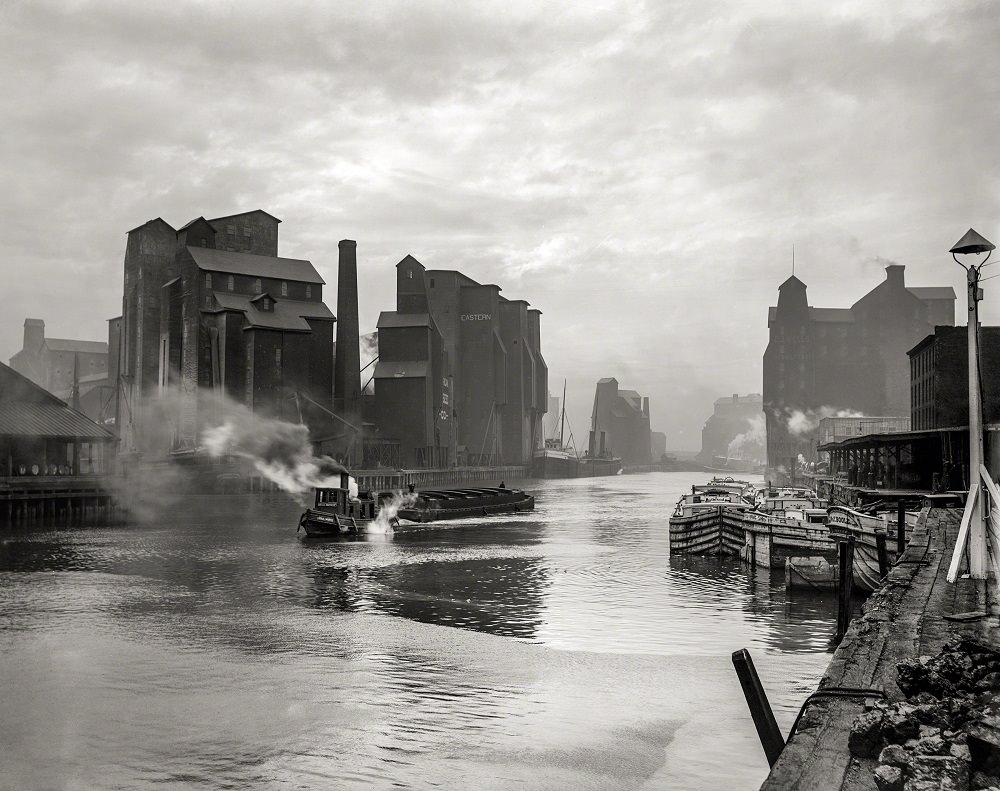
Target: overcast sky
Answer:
pixel 637 171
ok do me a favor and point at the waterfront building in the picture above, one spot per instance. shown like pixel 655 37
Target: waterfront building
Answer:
pixel 41 436
pixel 62 366
pixel 939 377
pixel 460 376
pixel 734 416
pixel 620 424
pixel 211 306
pixel 823 361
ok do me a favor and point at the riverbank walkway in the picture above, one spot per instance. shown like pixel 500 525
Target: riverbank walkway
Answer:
pixel 913 614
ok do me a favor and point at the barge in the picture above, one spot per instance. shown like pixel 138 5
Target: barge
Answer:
pixel 709 520
pixel 432 505
pixel 343 510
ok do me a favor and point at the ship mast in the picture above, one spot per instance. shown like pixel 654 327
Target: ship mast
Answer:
pixel 562 419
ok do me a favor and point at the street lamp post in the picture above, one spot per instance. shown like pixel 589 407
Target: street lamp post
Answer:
pixel 973 243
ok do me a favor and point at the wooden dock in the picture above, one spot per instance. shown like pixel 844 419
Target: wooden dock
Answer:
pixel 908 617
pixel 57 499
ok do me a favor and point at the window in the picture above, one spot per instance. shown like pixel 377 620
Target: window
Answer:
pixel 432 282
pixel 284 288
pixel 277 359
pixel 208 280
pixel 246 230
pixel 231 230
pixel 209 302
pixel 257 289
pixel 309 292
pixel 229 283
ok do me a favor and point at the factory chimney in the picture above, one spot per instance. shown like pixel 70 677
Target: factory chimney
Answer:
pixel 347 372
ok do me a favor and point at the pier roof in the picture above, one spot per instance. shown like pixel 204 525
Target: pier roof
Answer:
pixel 49 420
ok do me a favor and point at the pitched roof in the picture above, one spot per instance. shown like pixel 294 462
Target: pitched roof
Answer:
pixel 792 281
pixel 150 222
pixel 288 314
pixel 390 319
pixel 238 263
pixel 22 419
pixel 84 347
pixel 932 292
pixel 243 214
pixel 192 222
pixel 30 410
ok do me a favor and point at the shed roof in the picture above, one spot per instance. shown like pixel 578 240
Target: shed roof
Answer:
pixel 288 314
pixel 26 419
pixel 237 263
pixel 389 319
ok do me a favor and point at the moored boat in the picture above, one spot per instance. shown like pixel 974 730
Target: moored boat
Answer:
pixel 708 520
pixel 844 522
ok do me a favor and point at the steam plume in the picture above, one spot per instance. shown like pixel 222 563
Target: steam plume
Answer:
pixel 749 444
pixel 804 422
pixel 280 451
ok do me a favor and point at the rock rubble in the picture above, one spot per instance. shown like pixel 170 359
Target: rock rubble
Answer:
pixel 946 734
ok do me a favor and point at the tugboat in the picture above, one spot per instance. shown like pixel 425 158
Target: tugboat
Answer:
pixel 343 510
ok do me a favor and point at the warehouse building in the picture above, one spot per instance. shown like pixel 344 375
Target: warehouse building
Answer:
pixel 460 377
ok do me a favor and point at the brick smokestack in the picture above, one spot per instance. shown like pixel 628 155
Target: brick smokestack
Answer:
pixel 347 373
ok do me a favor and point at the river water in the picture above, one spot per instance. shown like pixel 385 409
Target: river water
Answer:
pixel 211 648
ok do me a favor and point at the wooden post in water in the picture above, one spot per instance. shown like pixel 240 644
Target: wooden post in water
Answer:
pixel 883 555
pixel 760 710
pixel 900 529
pixel 845 556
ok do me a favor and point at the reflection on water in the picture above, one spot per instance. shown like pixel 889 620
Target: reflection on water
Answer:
pixel 561 648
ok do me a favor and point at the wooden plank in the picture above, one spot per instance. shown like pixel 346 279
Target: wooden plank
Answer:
pixel 963 532
pixel 902 620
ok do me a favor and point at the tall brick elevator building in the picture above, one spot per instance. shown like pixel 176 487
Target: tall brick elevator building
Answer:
pixel 819 361
pixel 211 306
pixel 460 377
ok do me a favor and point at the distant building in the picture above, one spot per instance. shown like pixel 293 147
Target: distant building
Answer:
pixel 41 436
pixel 939 378
pixel 837 429
pixel 211 306
pixel 658 443
pixel 732 417
pixel 620 424
pixel 820 361
pixel 55 363
pixel 460 377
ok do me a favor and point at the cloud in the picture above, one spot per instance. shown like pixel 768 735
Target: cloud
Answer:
pixel 637 171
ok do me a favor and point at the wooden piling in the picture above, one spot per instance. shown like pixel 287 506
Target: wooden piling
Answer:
pixel 900 528
pixel 883 555
pixel 845 557
pixel 760 710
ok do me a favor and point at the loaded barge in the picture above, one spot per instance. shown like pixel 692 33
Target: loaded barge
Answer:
pixel 343 510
